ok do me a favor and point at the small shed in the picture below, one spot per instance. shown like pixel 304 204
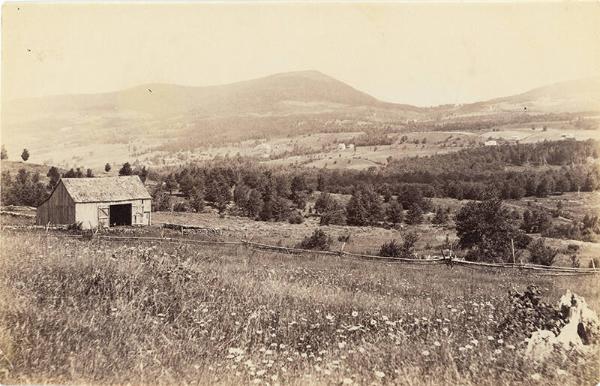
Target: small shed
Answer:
pixel 97 202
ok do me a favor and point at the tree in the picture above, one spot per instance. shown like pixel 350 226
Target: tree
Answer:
pixel 197 199
pixel 126 169
pixel 54 176
pixel 25 155
pixel 441 216
pixel 3 153
pixel 414 215
pixel 89 173
pixel 356 213
pixel 253 204
pixel 107 167
pixel 539 253
pixel 170 183
pixel 485 229
pixel 395 212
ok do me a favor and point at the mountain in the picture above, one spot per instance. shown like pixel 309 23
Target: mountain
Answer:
pixel 569 96
pixel 173 117
pixel 280 93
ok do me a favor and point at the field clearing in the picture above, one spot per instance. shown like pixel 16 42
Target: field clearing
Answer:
pixel 111 312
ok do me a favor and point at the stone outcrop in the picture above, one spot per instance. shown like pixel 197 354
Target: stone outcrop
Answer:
pixel 582 329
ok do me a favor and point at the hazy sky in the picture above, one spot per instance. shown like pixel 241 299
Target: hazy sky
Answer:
pixel 421 54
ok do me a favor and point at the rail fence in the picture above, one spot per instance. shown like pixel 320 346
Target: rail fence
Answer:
pixel 539 269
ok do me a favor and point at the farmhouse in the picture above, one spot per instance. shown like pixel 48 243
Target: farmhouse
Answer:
pixel 97 202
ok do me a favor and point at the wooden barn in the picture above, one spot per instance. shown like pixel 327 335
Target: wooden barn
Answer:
pixel 97 202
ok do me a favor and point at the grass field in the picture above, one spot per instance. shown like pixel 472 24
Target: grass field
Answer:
pixel 78 311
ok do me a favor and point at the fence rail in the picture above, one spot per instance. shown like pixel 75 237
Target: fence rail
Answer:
pixel 539 269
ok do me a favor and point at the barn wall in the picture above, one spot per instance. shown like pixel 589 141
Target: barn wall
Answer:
pixel 58 209
pixel 87 213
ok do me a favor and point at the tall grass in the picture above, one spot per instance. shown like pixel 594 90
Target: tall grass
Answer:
pixel 111 312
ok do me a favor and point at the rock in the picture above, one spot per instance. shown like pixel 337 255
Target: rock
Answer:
pixel 582 329
pixel 583 321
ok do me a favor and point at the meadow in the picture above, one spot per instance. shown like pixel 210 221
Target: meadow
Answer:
pixel 94 311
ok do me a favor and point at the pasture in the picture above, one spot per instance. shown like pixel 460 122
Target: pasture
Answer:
pixel 94 311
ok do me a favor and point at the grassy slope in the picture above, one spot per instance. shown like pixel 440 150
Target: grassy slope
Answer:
pixel 77 311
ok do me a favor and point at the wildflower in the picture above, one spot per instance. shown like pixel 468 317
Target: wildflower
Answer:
pixel 561 372
pixel 346 381
pixel 500 341
pixel 445 330
pixel 354 314
pixel 468 347
pixel 425 353
pixel 437 344
pixel 329 317
pixel 373 322
pixel 510 346
pixel 379 374
pixel 536 376
pixel 497 351
pixel 475 342
pixel 341 345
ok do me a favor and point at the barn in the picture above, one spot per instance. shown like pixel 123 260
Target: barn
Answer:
pixel 97 202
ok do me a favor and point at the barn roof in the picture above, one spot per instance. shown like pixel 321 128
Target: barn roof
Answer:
pixel 105 189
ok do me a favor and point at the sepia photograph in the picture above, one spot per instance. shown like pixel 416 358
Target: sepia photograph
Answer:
pixel 300 193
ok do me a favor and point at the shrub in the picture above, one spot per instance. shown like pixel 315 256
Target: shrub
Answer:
pixel 296 218
pixel 318 241
pixel 344 238
pixel 541 254
pixel 390 249
pixel 181 207
pixel 404 250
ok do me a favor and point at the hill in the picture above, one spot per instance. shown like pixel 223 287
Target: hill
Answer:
pixel 569 96
pixel 92 129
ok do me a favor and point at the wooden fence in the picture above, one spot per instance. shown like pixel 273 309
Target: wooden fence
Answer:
pixel 538 269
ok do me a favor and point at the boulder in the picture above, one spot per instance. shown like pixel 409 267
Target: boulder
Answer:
pixel 582 328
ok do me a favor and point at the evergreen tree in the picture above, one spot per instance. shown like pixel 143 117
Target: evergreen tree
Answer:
pixel 126 169
pixel 3 153
pixel 441 216
pixel 395 212
pixel 25 155
pixel 414 215
pixel 197 199
pixel 107 167
pixel 54 176
pixel 89 173
pixel 356 212
pixel 254 204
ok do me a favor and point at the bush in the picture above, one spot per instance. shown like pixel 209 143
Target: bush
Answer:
pixel 541 254
pixel 181 207
pixel 406 250
pixel 296 218
pixel 344 238
pixel 390 249
pixel 318 241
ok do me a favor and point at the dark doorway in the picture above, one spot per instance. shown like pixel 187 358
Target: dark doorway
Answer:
pixel 120 215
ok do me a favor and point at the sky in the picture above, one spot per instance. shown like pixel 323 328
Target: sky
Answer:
pixel 421 54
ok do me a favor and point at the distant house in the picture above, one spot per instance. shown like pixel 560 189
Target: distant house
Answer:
pixel 490 143
pixel 97 202
pixel 341 146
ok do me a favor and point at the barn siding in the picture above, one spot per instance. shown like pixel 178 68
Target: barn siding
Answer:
pixel 58 209
pixel 87 213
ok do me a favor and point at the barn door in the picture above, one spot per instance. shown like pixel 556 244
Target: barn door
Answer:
pixel 103 217
pixel 138 214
